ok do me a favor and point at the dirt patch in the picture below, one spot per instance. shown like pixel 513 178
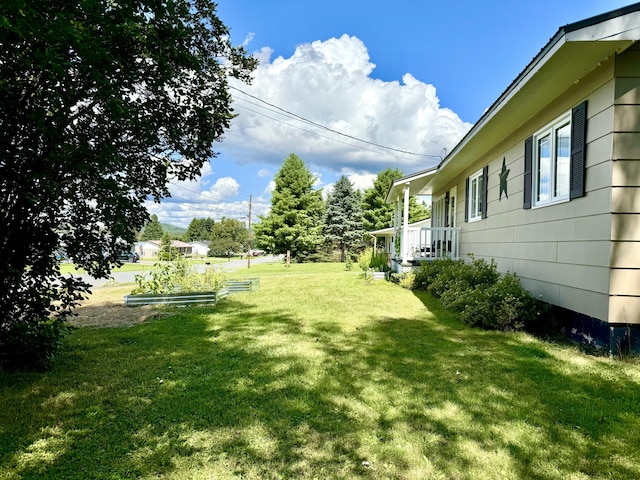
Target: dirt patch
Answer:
pixel 113 315
pixel 105 308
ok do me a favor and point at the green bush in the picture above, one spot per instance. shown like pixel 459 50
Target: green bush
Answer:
pixel 505 305
pixel 407 280
pixel 378 262
pixel 483 297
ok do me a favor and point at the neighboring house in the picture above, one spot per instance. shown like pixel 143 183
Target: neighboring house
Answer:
pixel 148 249
pixel 151 248
pixel 200 248
pixel 547 182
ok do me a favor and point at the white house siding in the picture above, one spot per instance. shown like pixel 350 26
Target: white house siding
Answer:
pixel 560 252
pixel 624 305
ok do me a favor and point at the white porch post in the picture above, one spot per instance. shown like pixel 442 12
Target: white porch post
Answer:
pixel 404 246
pixel 396 228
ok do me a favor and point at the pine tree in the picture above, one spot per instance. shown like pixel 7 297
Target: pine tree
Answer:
pixel 295 220
pixel 343 219
pixel 152 230
pixel 199 229
pixel 377 213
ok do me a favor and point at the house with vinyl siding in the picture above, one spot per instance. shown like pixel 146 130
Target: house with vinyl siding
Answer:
pixel 547 182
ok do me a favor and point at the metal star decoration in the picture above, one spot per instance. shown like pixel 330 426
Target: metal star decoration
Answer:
pixel 503 179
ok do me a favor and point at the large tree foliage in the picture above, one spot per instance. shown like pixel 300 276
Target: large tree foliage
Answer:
pixel 377 213
pixel 199 229
pixel 295 221
pixel 343 217
pixel 152 230
pixel 101 104
pixel 228 236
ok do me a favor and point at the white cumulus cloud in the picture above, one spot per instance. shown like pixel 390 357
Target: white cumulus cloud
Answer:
pixel 330 83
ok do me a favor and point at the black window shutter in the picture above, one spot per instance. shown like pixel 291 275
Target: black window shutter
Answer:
pixel 446 209
pixel 528 166
pixel 485 190
pixel 466 201
pixel 578 150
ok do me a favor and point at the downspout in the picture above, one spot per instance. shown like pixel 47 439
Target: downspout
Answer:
pixel 405 225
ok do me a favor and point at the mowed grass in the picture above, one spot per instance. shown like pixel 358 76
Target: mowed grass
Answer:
pixel 319 375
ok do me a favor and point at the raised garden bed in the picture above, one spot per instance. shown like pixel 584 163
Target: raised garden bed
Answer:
pixel 177 298
pixel 243 285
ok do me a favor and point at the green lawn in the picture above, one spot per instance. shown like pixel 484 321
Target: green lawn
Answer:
pixel 319 375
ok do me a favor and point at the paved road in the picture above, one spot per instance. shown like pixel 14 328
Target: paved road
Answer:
pixel 129 277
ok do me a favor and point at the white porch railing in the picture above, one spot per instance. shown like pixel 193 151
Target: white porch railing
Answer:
pixel 435 242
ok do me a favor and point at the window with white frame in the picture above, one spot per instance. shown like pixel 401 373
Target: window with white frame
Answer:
pixel 551 162
pixel 475 192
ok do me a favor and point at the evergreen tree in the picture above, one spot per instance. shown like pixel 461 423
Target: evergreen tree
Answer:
pixel 418 210
pixel 377 213
pixel 166 250
pixel 343 219
pixel 295 220
pixel 152 230
pixel 199 229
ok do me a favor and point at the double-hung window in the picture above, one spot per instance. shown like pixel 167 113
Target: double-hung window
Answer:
pixel 476 196
pixel 555 160
pixel 551 159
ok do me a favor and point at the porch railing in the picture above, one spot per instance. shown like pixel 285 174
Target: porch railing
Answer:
pixel 436 242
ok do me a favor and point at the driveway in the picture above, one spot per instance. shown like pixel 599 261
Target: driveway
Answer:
pixel 129 277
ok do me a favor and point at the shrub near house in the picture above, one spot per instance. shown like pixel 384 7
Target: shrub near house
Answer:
pixel 482 296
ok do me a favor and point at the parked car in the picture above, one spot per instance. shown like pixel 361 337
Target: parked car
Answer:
pixel 129 257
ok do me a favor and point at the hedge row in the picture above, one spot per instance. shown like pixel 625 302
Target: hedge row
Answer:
pixel 481 295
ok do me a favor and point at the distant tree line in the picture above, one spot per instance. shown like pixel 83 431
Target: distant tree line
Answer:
pixel 226 237
pixel 300 220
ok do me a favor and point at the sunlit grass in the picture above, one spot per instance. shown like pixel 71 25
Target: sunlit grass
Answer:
pixel 318 375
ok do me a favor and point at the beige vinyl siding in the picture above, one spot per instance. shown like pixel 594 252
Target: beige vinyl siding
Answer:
pixel 582 254
pixel 624 305
pixel 560 252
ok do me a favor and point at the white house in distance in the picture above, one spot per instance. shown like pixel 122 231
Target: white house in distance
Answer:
pixel 150 249
pixel 547 182
pixel 200 249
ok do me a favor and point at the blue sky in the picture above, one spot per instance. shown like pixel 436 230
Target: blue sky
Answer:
pixel 355 86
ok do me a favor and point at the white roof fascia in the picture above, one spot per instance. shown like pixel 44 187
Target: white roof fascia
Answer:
pixel 401 182
pixel 626 27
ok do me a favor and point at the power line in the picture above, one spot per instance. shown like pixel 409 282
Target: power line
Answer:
pixel 324 127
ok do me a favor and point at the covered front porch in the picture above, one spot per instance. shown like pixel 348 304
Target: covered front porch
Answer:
pixel 409 244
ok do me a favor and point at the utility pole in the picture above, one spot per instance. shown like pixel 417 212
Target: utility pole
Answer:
pixel 249 237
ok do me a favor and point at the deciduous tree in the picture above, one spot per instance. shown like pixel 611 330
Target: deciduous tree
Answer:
pixel 228 236
pixel 101 104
